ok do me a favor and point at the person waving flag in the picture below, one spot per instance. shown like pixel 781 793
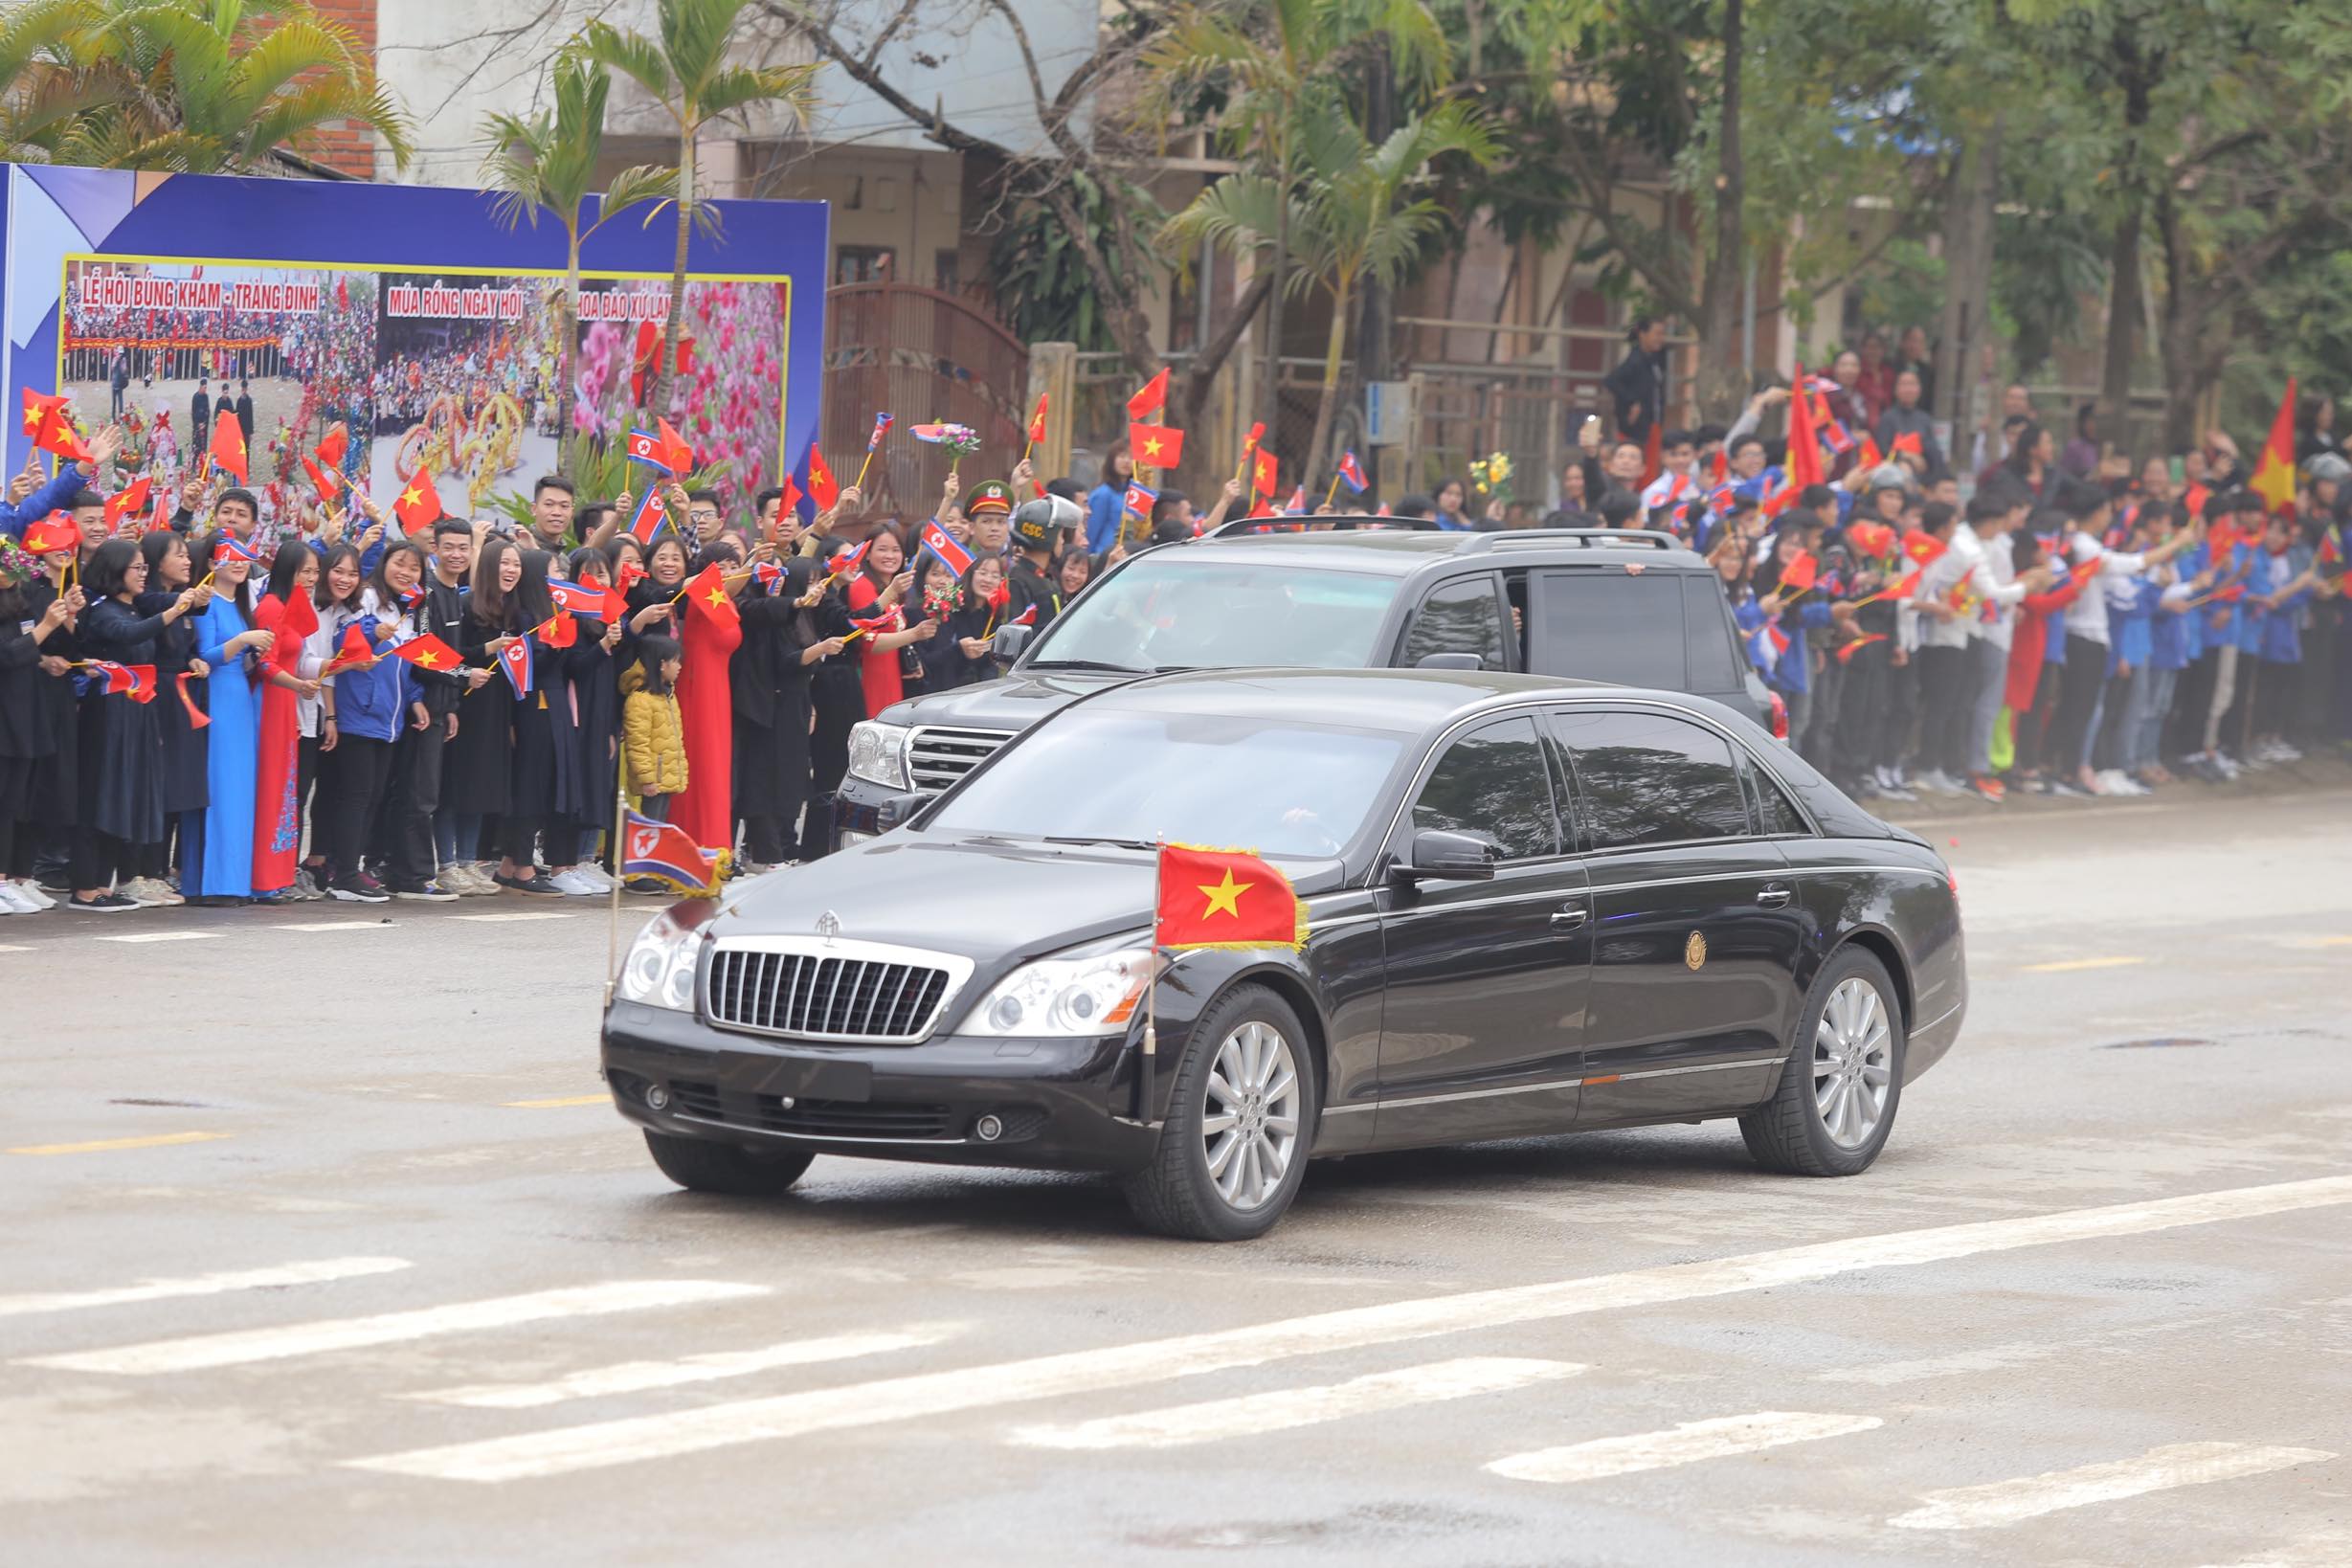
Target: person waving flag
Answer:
pixel 645 447
pixel 939 542
pixel 1352 474
pixel 515 659
pixel 418 506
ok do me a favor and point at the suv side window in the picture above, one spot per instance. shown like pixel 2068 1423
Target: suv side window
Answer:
pixel 1652 778
pixel 1460 616
pixel 1492 784
pixel 1610 625
pixel 1711 649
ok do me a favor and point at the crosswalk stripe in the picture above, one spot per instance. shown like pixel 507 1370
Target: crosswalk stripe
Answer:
pixel 248 1344
pixel 321 1272
pixel 1279 1410
pixel 334 926
pixel 636 1376
pixel 2031 1496
pixel 1685 1445
pixel 16 947
pixel 1091 1371
pixel 520 914
pixel 2070 965
pixel 159 936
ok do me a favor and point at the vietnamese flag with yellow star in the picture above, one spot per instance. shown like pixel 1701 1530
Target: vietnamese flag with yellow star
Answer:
pixel 1222 898
pixel 706 595
pixel 418 506
pixel 2273 478
pixel 1155 446
pixel 427 652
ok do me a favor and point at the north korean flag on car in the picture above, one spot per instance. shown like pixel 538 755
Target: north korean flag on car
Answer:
pixel 668 853
pixel 1212 898
pixel 515 659
pixel 938 542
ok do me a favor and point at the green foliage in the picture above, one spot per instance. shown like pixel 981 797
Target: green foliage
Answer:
pixel 1043 292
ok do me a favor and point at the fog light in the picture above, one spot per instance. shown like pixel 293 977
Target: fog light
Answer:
pixel 657 1098
pixel 988 1128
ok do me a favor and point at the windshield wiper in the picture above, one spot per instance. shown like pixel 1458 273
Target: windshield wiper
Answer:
pixel 1087 664
pixel 1115 843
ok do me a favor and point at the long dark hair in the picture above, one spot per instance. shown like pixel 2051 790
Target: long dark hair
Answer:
pixel 486 603
pixel 388 600
pixel 653 651
pixel 200 557
pixel 534 605
pixel 865 564
pixel 2019 460
pixel 324 596
pixel 109 566
pixel 284 566
pixel 152 548
pixel 585 559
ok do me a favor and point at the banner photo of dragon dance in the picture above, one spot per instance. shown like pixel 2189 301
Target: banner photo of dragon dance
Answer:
pixel 166 306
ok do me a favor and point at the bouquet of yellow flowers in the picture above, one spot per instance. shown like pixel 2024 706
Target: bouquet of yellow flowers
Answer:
pixel 1492 474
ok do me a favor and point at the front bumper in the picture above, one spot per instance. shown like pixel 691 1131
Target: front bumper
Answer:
pixel 1056 1103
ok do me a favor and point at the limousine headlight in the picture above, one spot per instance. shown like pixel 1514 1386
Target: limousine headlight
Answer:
pixel 1089 995
pixel 659 969
pixel 878 753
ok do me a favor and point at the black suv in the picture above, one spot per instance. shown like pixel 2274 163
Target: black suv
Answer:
pixel 1598 604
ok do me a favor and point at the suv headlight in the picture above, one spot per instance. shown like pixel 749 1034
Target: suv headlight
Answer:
pixel 1071 997
pixel 878 753
pixel 659 969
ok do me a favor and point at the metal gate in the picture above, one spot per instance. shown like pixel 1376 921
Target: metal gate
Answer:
pixel 926 358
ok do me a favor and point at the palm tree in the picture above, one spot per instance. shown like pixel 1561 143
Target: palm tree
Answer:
pixel 1352 214
pixel 549 161
pixel 1268 75
pixel 687 72
pixel 189 86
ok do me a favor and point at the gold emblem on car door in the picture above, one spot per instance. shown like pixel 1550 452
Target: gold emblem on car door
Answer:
pixel 1695 951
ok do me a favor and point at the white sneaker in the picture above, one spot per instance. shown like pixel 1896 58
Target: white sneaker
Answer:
pixel 573 882
pixel 23 898
pixel 589 872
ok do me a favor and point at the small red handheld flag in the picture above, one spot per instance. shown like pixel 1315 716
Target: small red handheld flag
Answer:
pixel 1152 399
pixel 706 595
pixel 353 653
pixel 676 456
pixel 131 499
pixel 38 407
pixel 823 489
pixel 1847 654
pixel 228 448
pixel 1224 899
pixel 302 617
pixel 1799 573
pixel 53 533
pixel 2273 478
pixel 560 630
pixel 1155 446
pixel 338 442
pixel 427 652
pixel 419 505
pixel 1268 472
pixel 1037 421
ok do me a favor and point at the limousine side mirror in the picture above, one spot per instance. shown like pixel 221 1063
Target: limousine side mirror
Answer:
pixel 1442 855
pixel 1009 642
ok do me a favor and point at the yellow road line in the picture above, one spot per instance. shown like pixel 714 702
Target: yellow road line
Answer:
pixel 2070 965
pixel 103 1146
pixel 558 1105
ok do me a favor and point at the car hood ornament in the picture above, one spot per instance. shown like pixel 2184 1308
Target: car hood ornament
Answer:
pixel 828 925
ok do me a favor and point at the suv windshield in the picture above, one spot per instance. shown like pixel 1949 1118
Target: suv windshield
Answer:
pixel 1165 611
pixel 1276 787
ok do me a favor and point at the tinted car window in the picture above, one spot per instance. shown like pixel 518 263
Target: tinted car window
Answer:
pixel 1168 610
pixel 1780 813
pixel 1710 644
pixel 1493 783
pixel 1458 617
pixel 1651 778
pixel 1610 625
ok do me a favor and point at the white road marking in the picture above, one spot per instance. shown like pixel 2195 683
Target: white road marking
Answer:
pixel 1685 1445
pixel 15 947
pixel 636 1376
pixel 2070 965
pixel 1277 1410
pixel 248 1344
pixel 2031 1496
pixel 1159 1360
pixel 161 936
pixel 521 914
pixel 335 926
pixel 321 1272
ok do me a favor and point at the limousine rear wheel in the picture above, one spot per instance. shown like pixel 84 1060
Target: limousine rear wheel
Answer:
pixel 1844 1077
pixel 1241 1122
pixel 701 1165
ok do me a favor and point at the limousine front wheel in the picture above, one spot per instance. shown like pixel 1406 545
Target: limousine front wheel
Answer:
pixel 1844 1077
pixel 1241 1120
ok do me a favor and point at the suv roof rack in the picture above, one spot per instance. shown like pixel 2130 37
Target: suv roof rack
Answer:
pixel 1589 538
pixel 1337 523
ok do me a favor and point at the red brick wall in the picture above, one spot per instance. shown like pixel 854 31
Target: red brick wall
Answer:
pixel 342 144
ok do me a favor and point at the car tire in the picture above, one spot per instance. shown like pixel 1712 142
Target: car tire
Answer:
pixel 1187 1190
pixel 1831 1113
pixel 701 1165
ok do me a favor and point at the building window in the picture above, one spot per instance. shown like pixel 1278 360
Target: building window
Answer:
pixel 947 271
pixel 864 263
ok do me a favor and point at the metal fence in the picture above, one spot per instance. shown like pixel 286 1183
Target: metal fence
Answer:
pixel 925 357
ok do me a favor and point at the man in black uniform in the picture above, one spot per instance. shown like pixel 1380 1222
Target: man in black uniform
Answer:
pixel 1034 527
pixel 200 416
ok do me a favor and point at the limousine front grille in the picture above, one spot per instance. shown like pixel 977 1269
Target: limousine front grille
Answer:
pixel 936 758
pixel 838 992
pixel 881 1121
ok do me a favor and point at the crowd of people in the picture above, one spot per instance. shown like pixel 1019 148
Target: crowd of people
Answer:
pixel 224 712
pixel 234 709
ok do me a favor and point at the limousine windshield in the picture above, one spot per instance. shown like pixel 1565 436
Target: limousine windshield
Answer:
pixel 1165 611
pixel 1274 788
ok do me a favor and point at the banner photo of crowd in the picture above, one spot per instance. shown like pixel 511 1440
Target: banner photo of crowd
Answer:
pixel 452 373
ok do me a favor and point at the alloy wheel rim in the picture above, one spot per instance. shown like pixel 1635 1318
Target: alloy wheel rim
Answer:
pixel 1249 1126
pixel 1853 1064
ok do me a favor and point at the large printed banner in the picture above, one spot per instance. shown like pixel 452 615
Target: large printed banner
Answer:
pixel 409 314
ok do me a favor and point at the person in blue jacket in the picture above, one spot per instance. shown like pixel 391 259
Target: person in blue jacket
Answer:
pixel 2278 586
pixel 1108 498
pixel 372 701
pixel 31 498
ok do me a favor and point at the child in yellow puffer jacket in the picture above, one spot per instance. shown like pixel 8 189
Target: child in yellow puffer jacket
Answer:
pixel 653 745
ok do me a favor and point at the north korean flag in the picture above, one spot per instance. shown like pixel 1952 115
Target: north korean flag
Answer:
pixel 1352 473
pixel 515 659
pixel 938 542
pixel 652 515
pixel 577 599
pixel 1139 500
pixel 668 853
pixel 645 447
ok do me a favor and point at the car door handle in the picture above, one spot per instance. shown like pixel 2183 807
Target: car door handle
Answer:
pixel 1773 898
pixel 1570 917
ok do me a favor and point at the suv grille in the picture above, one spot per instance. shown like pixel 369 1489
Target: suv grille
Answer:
pixel 818 995
pixel 936 758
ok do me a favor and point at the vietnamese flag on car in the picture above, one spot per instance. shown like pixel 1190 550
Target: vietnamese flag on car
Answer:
pixel 419 505
pixel 228 448
pixel 823 489
pixel 1152 399
pixel 1155 446
pixel 1212 898
pixel 427 652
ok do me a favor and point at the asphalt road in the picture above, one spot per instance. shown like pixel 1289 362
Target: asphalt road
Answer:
pixel 380 1279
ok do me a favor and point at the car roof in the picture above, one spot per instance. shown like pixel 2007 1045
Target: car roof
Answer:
pixel 1380 701
pixel 1401 552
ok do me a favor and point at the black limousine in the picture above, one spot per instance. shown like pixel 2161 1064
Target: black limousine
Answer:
pixel 1533 906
